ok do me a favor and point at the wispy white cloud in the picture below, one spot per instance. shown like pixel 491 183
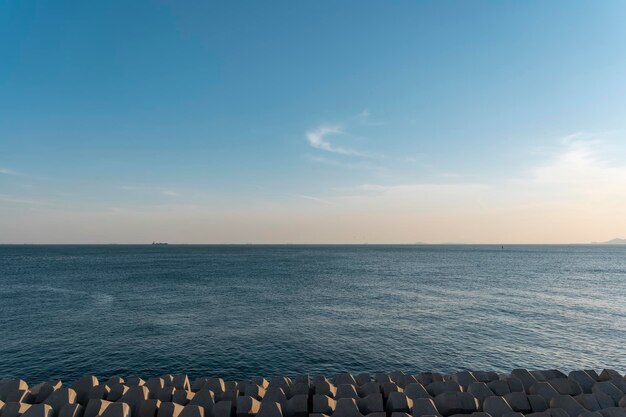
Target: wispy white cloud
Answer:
pixel 583 167
pixel 318 138
pixel 7 171
pixel 581 158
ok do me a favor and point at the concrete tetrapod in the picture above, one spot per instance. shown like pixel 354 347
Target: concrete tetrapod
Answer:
pixel 525 377
pixel 169 409
pixel 594 402
pixel 480 391
pixel 117 410
pixel 346 407
pixel 9 385
pixel 59 398
pixel 270 409
pixel 613 412
pixel 99 392
pixel 11 409
pixel 518 401
pixel 543 389
pixel 398 402
pixel 496 406
pixel 449 403
pixel 373 403
pixel 439 387
pixel 609 389
pixel 192 411
pixel 72 410
pixel 368 388
pixel 45 389
pixel 344 379
pixel 205 399
pixel 247 406
pixel 82 387
pixel 567 403
pixel 38 410
pixel 346 391
pixel 583 379
pixel 96 407
pixel 424 407
pixel 566 386
pixel 323 404
pixel 149 407
pixel 182 396
pixel 275 394
pixel 297 406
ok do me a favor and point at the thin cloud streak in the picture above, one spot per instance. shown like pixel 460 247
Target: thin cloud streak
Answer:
pixel 7 171
pixel 317 138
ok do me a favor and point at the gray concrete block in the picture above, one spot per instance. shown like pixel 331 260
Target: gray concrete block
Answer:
pixel 526 378
pixel 567 403
pixel 608 388
pixel 59 398
pixel 38 410
pixel 439 387
pixel 583 379
pixel 454 402
pixel 346 391
pixel 247 406
pixel 270 409
pixel 424 407
pixel 398 402
pixel 83 386
pixel 117 392
pixel 544 390
pixel 192 411
pixel 13 409
pixel 323 404
pixel 373 403
pixel 347 407
pixel 496 406
pixel 117 410
pixel 95 407
pixel 566 386
pixel 149 408
pixel 72 410
pixel 169 409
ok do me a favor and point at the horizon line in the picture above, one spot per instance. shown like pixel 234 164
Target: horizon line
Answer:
pixel 312 244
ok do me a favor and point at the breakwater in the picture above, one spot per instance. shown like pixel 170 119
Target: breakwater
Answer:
pixel 548 393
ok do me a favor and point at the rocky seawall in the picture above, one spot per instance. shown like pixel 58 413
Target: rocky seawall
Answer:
pixel 521 393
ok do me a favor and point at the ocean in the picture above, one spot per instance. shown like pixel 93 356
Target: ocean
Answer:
pixel 239 311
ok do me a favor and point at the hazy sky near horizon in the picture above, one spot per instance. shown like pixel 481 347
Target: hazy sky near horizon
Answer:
pixel 312 122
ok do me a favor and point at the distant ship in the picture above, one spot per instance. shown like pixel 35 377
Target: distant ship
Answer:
pixel 159 243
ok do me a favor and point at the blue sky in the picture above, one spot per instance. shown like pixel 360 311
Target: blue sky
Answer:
pixel 316 121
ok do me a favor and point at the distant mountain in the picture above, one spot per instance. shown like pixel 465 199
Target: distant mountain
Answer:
pixel 615 241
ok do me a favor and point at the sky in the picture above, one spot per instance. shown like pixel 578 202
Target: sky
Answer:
pixel 312 121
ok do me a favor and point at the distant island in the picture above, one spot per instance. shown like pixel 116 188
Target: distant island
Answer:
pixel 159 243
pixel 615 241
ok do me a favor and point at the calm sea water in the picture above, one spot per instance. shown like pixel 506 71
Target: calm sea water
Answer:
pixel 241 311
